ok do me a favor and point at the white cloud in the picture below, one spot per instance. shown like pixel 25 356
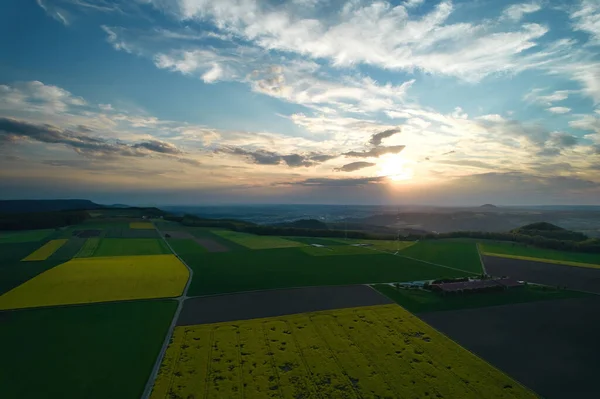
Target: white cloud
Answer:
pixel 37 96
pixel 106 107
pixel 559 110
pixel 413 3
pixel 535 96
pixel 516 12
pixel 377 33
pixel 586 18
pixel 55 12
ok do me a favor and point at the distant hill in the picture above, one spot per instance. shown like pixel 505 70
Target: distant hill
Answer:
pixel 549 230
pixel 25 206
pixel 488 206
pixel 540 226
pixel 312 224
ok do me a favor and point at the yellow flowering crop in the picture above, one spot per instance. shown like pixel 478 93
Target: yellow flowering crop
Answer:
pixel 46 250
pixel 367 352
pixel 141 225
pixel 87 280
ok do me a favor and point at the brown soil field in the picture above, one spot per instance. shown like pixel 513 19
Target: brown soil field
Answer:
pixel 550 346
pixel 259 304
pixel 574 278
pixel 178 234
pixel 212 245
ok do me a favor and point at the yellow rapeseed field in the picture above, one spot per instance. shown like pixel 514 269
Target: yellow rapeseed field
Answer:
pixel 368 352
pixel 46 250
pixel 141 225
pixel 87 280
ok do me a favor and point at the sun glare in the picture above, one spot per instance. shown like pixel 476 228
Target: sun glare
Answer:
pixel 395 167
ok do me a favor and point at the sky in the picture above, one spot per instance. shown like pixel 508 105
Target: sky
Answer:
pixel 194 102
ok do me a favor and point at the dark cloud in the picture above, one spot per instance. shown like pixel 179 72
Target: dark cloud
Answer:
pixel 264 157
pixel 327 182
pixel 378 137
pixel 563 140
pixel 189 161
pixel 13 129
pixel 321 157
pixel 449 152
pixel 376 152
pixel 351 167
pixel 84 129
pixel 158 146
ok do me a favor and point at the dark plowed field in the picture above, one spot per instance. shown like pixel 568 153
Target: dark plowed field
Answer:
pixel 177 234
pixel 212 245
pixel 575 278
pixel 552 346
pixel 254 305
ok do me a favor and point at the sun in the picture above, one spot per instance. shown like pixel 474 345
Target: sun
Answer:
pixel 395 167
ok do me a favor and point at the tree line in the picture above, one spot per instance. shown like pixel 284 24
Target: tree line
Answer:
pixel 41 220
pixel 591 245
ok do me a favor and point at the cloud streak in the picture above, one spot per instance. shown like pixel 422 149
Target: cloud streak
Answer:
pixel 354 166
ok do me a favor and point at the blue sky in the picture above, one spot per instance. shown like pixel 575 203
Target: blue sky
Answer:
pixel 232 101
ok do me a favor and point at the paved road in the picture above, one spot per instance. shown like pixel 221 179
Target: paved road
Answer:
pixel 181 299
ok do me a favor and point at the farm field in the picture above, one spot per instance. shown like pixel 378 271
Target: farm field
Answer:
pixel 367 352
pixel 45 251
pixel 120 232
pixel 256 242
pixel 68 250
pixel 185 246
pixel 316 240
pixel 88 280
pixel 92 351
pixel 13 272
pixel 337 250
pixel 575 278
pixel 270 303
pixel 419 301
pixel 141 225
pixel 203 233
pixel 523 252
pixel 24 236
pixel 89 248
pixel 460 255
pixel 379 245
pixel 131 246
pixel 550 346
pixel 235 271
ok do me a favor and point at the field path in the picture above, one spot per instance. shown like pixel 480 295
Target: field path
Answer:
pixel 180 299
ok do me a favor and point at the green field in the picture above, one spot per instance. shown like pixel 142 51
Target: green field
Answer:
pixel 13 272
pixel 379 245
pixel 201 232
pixel 89 248
pixel 131 246
pixel 338 250
pixel 418 301
pixel 506 248
pixel 235 271
pixel 186 246
pixel 460 255
pixel 24 236
pixel 256 242
pixel 316 240
pixel 69 250
pixel 92 351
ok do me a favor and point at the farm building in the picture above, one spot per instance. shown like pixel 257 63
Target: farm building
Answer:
pixel 476 285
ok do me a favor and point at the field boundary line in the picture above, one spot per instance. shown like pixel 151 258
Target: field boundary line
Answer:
pixel 481 259
pixel 180 301
pixel 544 260
pixel 423 261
